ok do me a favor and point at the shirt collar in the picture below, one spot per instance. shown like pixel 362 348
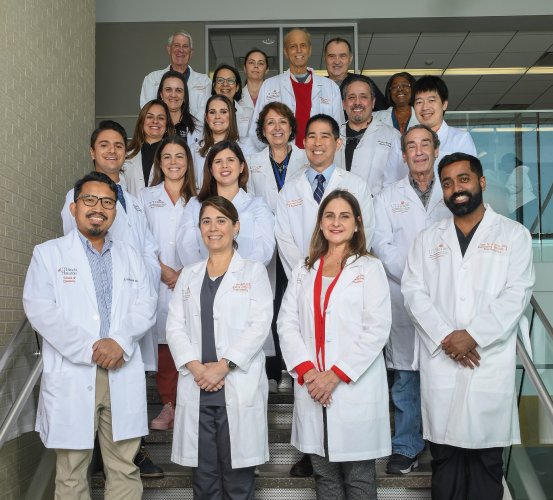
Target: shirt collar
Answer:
pixel 327 173
pixel 108 242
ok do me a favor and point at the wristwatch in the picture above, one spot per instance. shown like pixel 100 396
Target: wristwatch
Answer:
pixel 231 364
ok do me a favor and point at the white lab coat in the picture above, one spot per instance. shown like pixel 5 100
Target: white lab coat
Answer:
pixel 385 116
pixel 452 140
pixel 163 220
pixel 199 90
pixel 519 186
pixel 357 327
pixel 325 98
pixel 132 228
pixel 399 216
pixel 242 313
pixel 296 213
pixel 246 101
pixel 134 175
pixel 243 117
pixel 256 240
pixel 484 292
pixel 59 299
pixel 371 154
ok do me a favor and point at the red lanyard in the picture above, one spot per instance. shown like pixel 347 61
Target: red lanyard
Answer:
pixel 320 316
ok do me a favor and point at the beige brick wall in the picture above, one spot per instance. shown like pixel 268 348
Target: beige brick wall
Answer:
pixel 47 56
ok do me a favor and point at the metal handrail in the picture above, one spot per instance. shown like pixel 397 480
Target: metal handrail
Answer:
pixel 10 347
pixel 543 318
pixel 21 400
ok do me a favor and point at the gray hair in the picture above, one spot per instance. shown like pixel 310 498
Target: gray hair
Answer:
pixel 183 33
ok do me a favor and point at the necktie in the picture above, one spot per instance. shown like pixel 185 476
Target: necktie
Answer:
pixel 121 197
pixel 320 189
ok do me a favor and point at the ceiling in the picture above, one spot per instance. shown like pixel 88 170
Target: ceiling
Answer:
pixel 426 51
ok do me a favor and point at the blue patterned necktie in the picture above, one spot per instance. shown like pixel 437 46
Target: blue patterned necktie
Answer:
pixel 121 197
pixel 320 189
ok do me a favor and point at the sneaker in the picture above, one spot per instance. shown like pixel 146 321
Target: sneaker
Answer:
pixel 302 468
pixel 165 419
pixel 273 386
pixel 145 464
pixel 400 464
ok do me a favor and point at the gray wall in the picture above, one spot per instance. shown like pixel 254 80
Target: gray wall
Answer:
pixel 125 54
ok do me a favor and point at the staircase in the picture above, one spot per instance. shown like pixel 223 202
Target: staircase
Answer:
pixel 273 482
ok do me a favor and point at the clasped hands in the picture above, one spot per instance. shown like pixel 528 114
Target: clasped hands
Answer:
pixel 320 385
pixel 461 347
pixel 107 354
pixel 209 376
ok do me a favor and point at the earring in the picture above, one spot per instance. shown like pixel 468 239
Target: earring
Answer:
pixel 235 235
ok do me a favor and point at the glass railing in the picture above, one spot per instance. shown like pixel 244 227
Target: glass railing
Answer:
pixel 27 467
pixel 529 465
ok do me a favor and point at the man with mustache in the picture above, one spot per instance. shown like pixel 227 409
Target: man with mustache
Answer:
pixel 107 150
pixel 466 285
pixel 90 298
pixel 367 141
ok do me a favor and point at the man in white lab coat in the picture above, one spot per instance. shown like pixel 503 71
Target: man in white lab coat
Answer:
pixel 304 92
pixel 430 103
pixel 180 50
pixel 367 141
pixel 466 285
pixel 401 211
pixel 90 299
pixel 107 150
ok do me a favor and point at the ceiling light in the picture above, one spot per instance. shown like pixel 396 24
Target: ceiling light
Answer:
pixel 268 41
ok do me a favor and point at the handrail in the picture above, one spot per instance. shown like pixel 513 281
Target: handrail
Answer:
pixel 21 400
pixel 543 318
pixel 10 347
pixel 542 391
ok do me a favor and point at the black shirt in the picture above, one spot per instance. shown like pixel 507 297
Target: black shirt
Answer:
pixel 148 152
pixel 464 241
pixel 352 140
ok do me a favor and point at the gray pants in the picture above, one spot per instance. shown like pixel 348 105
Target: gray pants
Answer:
pixel 214 478
pixel 343 480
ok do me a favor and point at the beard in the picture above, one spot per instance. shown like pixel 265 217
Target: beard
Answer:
pixel 469 206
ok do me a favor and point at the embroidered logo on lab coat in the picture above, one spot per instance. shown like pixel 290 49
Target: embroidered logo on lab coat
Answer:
pixel 401 207
pixel 440 250
pixel 186 294
pixel 256 169
pixel 386 144
pixel 273 94
pixel 242 287
pixel 324 100
pixel 295 203
pixel 360 278
pixel 68 274
pixel 493 248
pixel 137 207
pixel 157 204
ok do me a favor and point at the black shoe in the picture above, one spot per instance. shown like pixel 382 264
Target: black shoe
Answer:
pixel 400 464
pixel 147 467
pixel 302 468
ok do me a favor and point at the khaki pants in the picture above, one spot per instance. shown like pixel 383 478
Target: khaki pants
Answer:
pixel 122 476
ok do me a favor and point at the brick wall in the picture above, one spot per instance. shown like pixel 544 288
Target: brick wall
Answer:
pixel 47 56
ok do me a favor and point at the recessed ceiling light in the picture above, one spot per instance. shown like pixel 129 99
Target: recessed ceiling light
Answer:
pixel 268 41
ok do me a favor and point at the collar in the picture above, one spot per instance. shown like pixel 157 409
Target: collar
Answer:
pixel 311 173
pixel 108 242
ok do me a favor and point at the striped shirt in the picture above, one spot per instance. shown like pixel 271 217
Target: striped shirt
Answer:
pixel 100 267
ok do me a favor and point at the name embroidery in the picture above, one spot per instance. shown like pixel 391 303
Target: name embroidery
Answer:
pixel 242 287
pixel 360 278
pixel 384 143
pixel 186 294
pixel 273 94
pixel 138 208
pixel 256 169
pixel 440 250
pixel 493 248
pixel 295 203
pixel 324 100
pixel 401 207
pixel 68 274
pixel 157 204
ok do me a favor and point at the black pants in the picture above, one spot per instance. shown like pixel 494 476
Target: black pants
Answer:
pixel 273 364
pixel 214 478
pixel 466 474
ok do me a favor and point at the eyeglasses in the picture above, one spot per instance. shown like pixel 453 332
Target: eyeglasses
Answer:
pixel 221 81
pixel 91 201
pixel 401 86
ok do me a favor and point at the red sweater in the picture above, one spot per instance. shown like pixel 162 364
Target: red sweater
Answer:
pixel 302 93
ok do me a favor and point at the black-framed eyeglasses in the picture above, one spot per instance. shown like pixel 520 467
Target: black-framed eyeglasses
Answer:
pixel 91 201
pixel 221 81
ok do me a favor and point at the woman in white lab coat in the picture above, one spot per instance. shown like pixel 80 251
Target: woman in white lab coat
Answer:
pixel 173 186
pixel 152 125
pixel 333 325
pixel 218 319
pixel 219 125
pixel 269 170
pixel 226 174
pixel 256 67
pixel 399 92
pixel 173 91
pixel 226 81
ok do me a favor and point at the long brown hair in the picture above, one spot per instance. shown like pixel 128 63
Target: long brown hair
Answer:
pixel 188 189
pixel 232 132
pixel 139 137
pixel 209 186
pixel 319 244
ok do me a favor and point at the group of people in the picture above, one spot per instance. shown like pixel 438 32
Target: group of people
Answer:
pixel 247 228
